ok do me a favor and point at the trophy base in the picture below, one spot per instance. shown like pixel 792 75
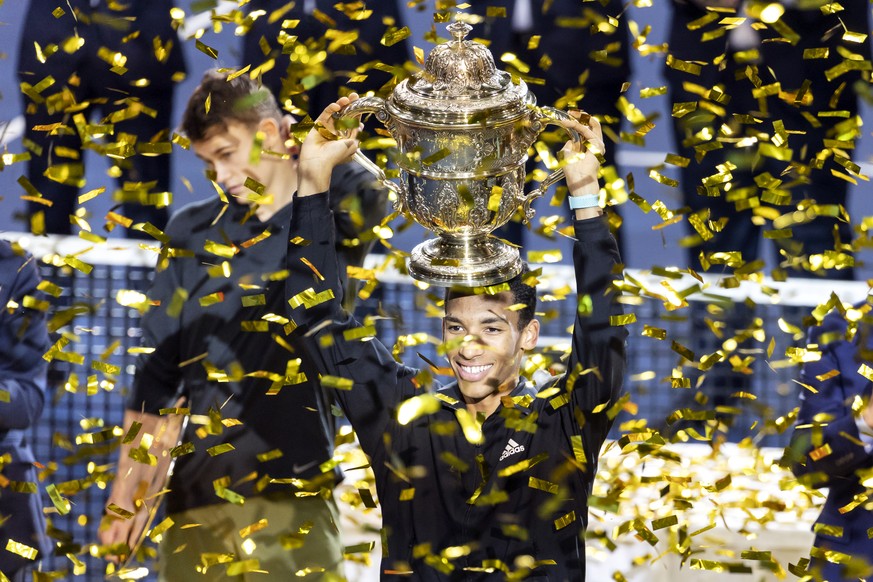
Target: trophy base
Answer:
pixel 475 262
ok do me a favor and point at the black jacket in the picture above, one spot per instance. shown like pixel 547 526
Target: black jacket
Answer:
pixel 220 339
pixel 23 342
pixel 456 511
pixel 826 449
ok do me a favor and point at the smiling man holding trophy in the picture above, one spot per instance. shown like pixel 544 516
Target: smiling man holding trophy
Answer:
pixel 488 475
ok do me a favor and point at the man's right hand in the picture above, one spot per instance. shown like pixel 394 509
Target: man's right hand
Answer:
pixel 119 535
pixel 137 484
pixel 323 150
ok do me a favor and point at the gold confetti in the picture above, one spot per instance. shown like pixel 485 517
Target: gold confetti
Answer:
pixel 211 299
pixel 565 520
pixel 470 426
pixel 208 51
pixel 62 505
pixel 160 529
pixel 523 465
pixel 312 268
pixel 394 35
pixel 253 528
pixel 547 256
pixel 220 449
pixel 416 407
pixel 337 382
pixel 20 549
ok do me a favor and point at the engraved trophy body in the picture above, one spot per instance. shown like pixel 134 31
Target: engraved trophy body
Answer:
pixel 463 129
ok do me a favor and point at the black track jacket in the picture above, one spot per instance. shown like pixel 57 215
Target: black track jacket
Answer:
pixel 220 340
pixel 453 510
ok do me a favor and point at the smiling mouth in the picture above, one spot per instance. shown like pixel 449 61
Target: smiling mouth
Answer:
pixel 472 373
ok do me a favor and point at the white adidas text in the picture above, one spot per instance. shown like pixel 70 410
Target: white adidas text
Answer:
pixel 512 447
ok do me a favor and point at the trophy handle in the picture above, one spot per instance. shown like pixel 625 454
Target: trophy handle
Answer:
pixel 359 108
pixel 548 116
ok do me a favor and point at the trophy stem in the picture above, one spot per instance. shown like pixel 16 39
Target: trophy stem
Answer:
pixel 475 261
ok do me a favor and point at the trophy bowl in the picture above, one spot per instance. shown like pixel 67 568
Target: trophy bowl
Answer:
pixel 463 129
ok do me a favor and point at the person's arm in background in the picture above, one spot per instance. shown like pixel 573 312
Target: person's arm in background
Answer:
pixel 826 444
pixel 597 362
pixel 313 263
pixel 359 205
pixel 155 386
pixel 337 349
pixel 23 341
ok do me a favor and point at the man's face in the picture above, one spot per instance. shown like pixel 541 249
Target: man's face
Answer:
pixel 228 151
pixel 486 346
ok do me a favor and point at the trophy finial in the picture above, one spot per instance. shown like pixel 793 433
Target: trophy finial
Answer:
pixel 459 30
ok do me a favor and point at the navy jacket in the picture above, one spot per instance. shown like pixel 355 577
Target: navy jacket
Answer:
pixel 219 339
pixel 524 491
pixel 826 450
pixel 23 342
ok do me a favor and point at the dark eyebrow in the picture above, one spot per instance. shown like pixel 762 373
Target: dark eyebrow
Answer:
pixel 493 318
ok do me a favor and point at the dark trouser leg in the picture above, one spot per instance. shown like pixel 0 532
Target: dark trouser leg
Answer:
pixel 723 226
pixel 53 172
pixel 807 92
pixel 144 176
pixel 55 168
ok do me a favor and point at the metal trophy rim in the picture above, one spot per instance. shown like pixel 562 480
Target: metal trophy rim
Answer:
pixel 495 263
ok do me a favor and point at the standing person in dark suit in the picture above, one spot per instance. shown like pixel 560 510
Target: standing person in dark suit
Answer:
pixel 779 104
pixel 575 66
pixel 763 116
pixel 121 59
pixel 832 443
pixel 310 61
pixel 23 342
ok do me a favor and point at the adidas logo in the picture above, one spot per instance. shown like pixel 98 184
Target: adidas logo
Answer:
pixel 512 447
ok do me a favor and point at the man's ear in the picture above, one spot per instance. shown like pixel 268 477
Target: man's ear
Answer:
pixel 530 335
pixel 272 130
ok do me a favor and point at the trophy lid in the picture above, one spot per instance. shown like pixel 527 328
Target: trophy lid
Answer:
pixel 460 84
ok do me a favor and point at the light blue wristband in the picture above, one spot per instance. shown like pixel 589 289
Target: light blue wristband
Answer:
pixel 588 201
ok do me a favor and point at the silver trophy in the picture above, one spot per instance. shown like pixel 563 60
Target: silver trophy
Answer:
pixel 463 129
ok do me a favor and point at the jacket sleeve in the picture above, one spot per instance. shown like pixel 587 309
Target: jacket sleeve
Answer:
pixel 358 203
pixel 24 340
pixel 825 444
pixel 158 373
pixel 367 382
pixel 313 286
pixel 596 367
pixel 365 379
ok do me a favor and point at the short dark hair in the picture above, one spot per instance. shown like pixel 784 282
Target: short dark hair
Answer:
pixel 239 99
pixel 522 293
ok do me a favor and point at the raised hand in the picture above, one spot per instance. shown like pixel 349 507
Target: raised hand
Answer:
pixel 323 149
pixel 581 159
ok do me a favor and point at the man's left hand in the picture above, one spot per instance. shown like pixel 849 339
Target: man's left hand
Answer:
pixel 581 160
